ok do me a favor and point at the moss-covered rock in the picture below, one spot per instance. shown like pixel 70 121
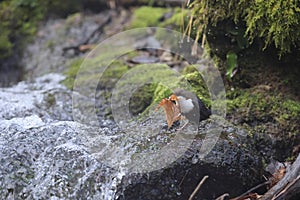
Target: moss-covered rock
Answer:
pixel 198 85
pixel 18 21
pixel 275 21
pixel 71 72
pixel 265 111
pixel 146 85
pixel 141 98
pixel 5 45
pixel 147 16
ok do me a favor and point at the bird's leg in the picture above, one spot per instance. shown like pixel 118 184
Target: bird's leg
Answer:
pixel 186 123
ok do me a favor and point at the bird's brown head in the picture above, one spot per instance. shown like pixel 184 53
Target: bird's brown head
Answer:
pixel 173 97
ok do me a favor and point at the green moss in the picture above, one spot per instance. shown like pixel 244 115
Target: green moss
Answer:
pixel 50 100
pixel 179 18
pixel 71 72
pixel 19 19
pixel 292 107
pixel 276 22
pixel 108 79
pixel 141 98
pixel 131 55
pixel 198 85
pixel 50 44
pixel 265 112
pixel 5 46
pixel 146 16
pixel 161 92
pixel 112 74
pixel 231 61
pixel 73 19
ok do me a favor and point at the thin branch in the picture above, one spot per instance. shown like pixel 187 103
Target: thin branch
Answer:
pixel 223 196
pixel 198 187
pixel 250 190
pixel 183 178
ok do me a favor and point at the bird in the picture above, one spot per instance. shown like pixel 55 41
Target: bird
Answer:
pixel 190 106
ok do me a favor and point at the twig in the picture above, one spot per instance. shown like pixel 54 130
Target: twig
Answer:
pixel 250 190
pixel 198 187
pixel 183 178
pixel 223 196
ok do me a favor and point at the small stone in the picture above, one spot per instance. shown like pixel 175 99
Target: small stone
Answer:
pixel 144 59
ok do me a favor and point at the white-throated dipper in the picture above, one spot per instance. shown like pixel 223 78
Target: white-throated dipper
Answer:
pixel 190 106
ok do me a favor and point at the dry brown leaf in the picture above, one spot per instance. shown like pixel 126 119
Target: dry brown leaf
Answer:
pixel 277 176
pixel 172 111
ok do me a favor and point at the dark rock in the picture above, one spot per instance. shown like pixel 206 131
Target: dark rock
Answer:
pixel 232 167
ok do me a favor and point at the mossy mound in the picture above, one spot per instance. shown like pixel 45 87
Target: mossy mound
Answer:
pixel 198 85
pixel 274 22
pixel 71 72
pixel 190 79
pixel 141 99
pixel 264 111
pixel 146 85
pixel 146 16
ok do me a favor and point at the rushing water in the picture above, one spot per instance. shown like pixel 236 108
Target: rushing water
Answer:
pixel 43 153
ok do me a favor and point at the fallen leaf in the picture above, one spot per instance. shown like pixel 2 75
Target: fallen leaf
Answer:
pixel 277 176
pixel 172 111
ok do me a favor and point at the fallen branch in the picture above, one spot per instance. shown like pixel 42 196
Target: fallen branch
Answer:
pixel 198 187
pixel 288 186
pixel 286 189
pixel 242 196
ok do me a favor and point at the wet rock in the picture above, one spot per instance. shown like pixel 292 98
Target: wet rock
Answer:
pixel 232 165
pixel 44 97
pixel 153 42
pixel 43 153
pixel 42 161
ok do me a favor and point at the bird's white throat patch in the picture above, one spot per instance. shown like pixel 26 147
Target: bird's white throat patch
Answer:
pixel 186 105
